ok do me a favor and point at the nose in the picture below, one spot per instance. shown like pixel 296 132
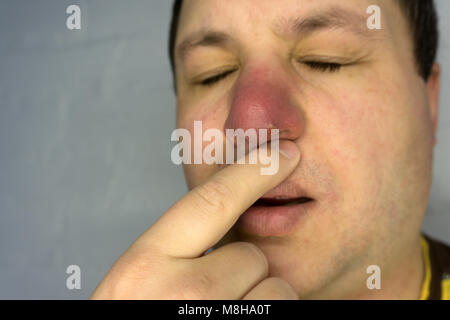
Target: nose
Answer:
pixel 264 100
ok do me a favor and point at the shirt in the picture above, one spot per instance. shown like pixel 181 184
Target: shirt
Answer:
pixel 436 283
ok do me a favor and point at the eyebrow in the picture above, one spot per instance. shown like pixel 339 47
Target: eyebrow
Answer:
pixel 203 39
pixel 332 18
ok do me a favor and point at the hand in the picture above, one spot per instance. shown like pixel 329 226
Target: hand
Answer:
pixel 167 261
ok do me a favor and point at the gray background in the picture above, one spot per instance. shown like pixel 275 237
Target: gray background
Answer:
pixel 85 123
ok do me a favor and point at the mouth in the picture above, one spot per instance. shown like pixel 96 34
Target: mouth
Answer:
pixel 275 216
pixel 280 211
pixel 281 202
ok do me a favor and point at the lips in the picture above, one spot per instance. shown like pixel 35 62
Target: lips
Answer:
pixel 279 212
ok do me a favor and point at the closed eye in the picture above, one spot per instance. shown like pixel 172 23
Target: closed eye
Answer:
pixel 323 66
pixel 315 65
pixel 214 79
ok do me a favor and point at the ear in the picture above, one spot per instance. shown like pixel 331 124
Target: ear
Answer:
pixel 433 86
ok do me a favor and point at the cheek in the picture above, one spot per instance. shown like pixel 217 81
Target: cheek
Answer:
pixel 374 140
pixel 347 126
pixel 212 113
pixel 353 134
pixel 212 116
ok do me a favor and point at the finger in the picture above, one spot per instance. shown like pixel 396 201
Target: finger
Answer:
pixel 201 218
pixel 228 272
pixel 272 289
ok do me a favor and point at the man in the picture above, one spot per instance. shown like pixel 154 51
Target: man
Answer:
pixel 357 112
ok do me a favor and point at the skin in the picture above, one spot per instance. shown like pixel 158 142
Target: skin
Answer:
pixel 365 132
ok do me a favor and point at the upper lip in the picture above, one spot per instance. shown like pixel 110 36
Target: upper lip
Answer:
pixel 288 189
pixel 286 192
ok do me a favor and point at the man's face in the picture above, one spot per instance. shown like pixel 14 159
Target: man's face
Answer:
pixel 365 129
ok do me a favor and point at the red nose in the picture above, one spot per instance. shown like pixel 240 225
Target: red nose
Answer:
pixel 263 102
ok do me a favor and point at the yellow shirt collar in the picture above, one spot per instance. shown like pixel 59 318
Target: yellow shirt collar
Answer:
pixel 427 279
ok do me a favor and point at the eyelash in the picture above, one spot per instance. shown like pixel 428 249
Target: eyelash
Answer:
pixel 315 65
pixel 324 66
pixel 212 80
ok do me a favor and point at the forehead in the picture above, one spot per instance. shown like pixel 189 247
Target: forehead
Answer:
pixel 235 15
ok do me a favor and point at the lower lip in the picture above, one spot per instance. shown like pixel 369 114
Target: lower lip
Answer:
pixel 272 220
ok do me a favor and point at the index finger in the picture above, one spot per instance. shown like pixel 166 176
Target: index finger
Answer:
pixel 204 215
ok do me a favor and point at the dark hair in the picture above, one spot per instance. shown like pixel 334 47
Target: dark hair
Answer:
pixel 421 16
pixel 176 10
pixel 423 21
